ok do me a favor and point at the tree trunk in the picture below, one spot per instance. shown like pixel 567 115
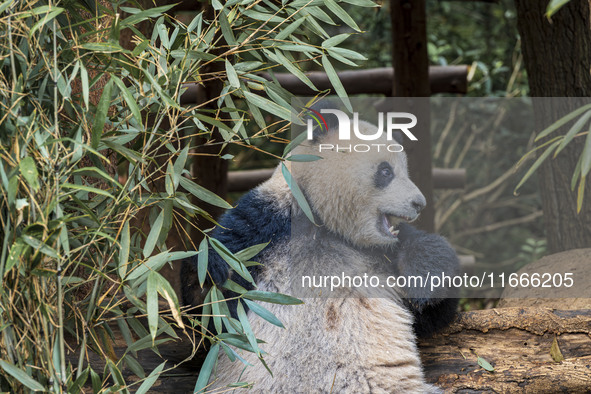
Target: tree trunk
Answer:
pixel 557 56
pixel 411 79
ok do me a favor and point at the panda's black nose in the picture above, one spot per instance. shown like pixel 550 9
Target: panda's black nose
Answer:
pixel 418 204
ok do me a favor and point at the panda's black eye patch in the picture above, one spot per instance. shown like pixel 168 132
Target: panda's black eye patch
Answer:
pixel 383 175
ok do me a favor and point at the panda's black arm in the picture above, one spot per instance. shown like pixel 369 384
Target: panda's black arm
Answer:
pixel 421 254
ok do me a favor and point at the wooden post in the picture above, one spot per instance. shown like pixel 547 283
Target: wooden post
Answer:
pixel 411 79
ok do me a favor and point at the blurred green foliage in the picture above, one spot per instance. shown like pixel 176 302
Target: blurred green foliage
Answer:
pixel 81 243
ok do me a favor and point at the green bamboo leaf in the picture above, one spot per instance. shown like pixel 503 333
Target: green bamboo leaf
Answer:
pixel 231 259
pixel 291 47
pixel 28 170
pixel 297 193
pixel 237 341
pixel 336 40
pixel 580 194
pixel 196 24
pixel 153 263
pixel 347 53
pixel 586 156
pixel 264 313
pixel 294 143
pixel 45 19
pixel 96 173
pixel 202 259
pixel 102 47
pixel 21 376
pixel 291 67
pixel 336 82
pixel 562 121
pixel 97 382
pixel 215 310
pixel 88 189
pixel 303 158
pixel 79 383
pixel 17 251
pixel 146 342
pixel 205 314
pixel 485 364
pixel 179 165
pixel 3 177
pixel 157 261
pixel 134 366
pixel 268 105
pixel 40 246
pixel 129 99
pixel 5 5
pixel 215 122
pixel 139 16
pixel 151 379
pixel 283 34
pixel 362 3
pixel 125 331
pixel 576 175
pixel 154 234
pixel 85 85
pixel 573 131
pixel 152 303
pixel 101 114
pixel 206 369
pixel 167 292
pixel 261 16
pixel 154 84
pixel 232 75
pixel 537 163
pixel 274 298
pixel 233 286
pixel 319 14
pixel 250 252
pixel 117 375
pixel 247 329
pixel 203 194
pixel 226 28
pixel 554 6
pixel 124 250
pixel 169 179
pixel 341 14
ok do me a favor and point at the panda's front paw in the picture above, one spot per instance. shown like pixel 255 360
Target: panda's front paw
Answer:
pixel 426 258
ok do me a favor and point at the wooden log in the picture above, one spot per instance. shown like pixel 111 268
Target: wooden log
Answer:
pixel 240 181
pixel 449 178
pixel 517 342
pixel 442 79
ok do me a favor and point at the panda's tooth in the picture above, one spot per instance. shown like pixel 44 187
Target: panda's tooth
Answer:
pixel 391 229
pixel 395 232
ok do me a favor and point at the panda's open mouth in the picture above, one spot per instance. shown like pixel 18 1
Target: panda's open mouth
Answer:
pixel 390 222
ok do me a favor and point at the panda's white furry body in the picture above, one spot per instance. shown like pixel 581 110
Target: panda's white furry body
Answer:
pixel 352 341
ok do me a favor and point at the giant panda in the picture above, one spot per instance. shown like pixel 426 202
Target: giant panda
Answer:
pixel 353 340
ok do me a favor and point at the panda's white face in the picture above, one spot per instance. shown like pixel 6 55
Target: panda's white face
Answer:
pixel 360 196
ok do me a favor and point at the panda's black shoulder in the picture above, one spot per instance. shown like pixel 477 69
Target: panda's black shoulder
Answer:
pixel 257 218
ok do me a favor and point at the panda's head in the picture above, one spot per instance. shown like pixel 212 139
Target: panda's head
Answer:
pixel 361 196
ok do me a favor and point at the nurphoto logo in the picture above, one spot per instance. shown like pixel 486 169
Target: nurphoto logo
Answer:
pixel 392 121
